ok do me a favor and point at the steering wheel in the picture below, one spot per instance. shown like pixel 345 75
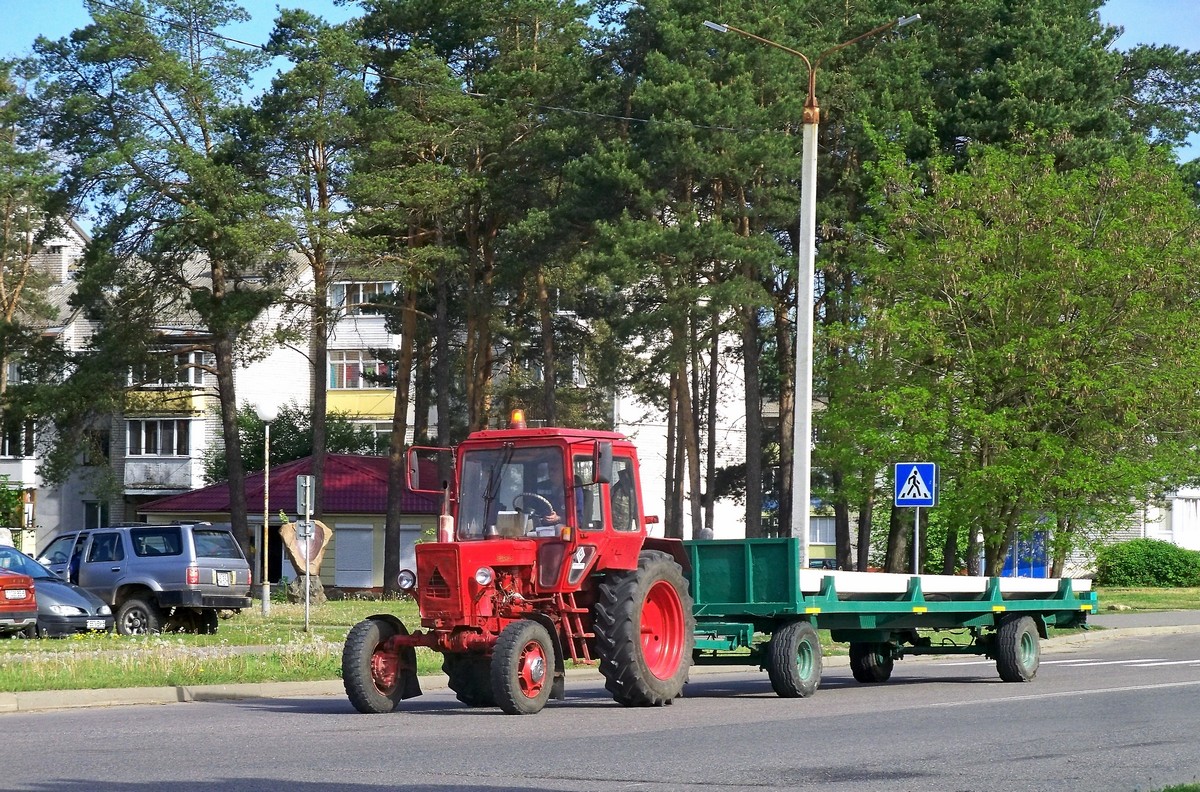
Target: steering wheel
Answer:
pixel 549 506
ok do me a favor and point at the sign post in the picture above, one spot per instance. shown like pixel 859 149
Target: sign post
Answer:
pixel 916 487
pixel 305 486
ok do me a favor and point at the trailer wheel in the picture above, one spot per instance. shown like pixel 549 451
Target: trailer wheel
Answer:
pixel 645 632
pixel 871 662
pixel 470 677
pixel 795 660
pixel 372 673
pixel 523 668
pixel 1018 652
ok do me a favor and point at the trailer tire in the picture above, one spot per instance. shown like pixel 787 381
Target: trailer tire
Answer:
pixel 795 660
pixel 522 670
pixel 470 677
pixel 645 631
pixel 372 675
pixel 871 662
pixel 1018 651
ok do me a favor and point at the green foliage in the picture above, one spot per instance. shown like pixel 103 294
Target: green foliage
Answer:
pixel 1148 563
pixel 291 438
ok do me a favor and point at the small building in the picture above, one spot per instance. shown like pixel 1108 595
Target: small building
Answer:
pixel 355 498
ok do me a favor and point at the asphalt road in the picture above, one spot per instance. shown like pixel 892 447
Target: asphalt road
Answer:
pixel 1108 711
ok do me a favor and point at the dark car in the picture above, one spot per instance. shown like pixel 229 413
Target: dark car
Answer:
pixel 62 608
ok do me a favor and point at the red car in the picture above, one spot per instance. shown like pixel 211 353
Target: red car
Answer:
pixel 18 608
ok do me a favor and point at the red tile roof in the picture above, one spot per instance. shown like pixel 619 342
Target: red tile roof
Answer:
pixel 353 485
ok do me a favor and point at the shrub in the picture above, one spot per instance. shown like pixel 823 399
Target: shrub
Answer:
pixel 1147 562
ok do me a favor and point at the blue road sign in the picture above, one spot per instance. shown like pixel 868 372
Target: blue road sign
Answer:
pixel 916 484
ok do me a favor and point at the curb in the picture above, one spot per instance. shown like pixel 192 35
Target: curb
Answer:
pixel 44 700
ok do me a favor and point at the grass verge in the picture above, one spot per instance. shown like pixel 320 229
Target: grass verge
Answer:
pixel 251 648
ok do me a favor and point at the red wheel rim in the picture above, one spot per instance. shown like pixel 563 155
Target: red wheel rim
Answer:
pixel 385 669
pixel 531 669
pixel 662 630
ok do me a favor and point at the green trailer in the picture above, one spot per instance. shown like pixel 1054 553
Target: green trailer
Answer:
pixel 754 605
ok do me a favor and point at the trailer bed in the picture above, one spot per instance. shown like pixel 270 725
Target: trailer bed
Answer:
pixel 746 592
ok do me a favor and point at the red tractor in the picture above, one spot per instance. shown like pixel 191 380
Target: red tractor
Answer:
pixel 541 557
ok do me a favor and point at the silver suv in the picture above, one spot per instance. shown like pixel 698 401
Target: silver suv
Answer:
pixel 156 577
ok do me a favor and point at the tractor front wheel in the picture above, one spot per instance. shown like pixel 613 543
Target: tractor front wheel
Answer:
pixel 372 673
pixel 523 668
pixel 645 631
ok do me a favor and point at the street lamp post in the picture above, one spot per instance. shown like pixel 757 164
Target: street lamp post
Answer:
pixel 806 243
pixel 266 413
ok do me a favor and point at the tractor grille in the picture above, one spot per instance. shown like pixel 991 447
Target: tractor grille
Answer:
pixel 437 587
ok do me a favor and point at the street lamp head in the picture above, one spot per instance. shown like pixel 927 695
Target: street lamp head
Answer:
pixel 717 26
pixel 907 20
pixel 266 412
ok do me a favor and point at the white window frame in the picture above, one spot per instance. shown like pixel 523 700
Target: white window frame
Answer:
pixel 351 297
pixel 163 435
pixel 188 371
pixel 346 367
pixel 822 530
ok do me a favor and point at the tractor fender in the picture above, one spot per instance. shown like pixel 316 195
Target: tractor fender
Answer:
pixel 673 548
pixel 411 685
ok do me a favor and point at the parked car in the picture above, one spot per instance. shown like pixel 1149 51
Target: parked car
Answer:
pixel 156 577
pixel 62 607
pixel 18 603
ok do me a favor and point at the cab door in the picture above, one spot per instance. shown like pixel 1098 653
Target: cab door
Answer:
pixel 103 564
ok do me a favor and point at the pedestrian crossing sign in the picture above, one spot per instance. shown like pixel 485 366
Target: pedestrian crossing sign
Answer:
pixel 916 484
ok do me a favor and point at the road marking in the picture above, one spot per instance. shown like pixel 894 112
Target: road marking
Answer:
pixel 1066 693
pixel 1155 663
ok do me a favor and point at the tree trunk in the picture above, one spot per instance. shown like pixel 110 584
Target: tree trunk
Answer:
pixel 690 451
pixel 671 523
pixel 950 551
pixel 787 416
pixel 442 353
pixel 319 351
pixel 897 544
pixel 841 524
pixel 224 364
pixel 866 511
pixel 754 422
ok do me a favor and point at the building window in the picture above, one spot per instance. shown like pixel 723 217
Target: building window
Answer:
pixel 95 514
pixel 822 530
pixel 170 371
pixel 381 435
pixel 160 437
pixel 353 298
pixel 96 450
pixel 355 368
pixel 18 439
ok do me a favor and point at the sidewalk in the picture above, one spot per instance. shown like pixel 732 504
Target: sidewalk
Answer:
pixel 1109 625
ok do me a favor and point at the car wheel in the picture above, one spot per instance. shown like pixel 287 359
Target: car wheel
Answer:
pixel 139 617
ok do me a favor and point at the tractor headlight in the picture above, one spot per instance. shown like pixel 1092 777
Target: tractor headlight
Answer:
pixel 406 580
pixel 484 576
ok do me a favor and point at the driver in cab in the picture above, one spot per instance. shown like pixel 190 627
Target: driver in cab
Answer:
pixel 553 492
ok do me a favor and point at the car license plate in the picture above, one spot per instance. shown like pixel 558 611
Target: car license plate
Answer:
pixel 222 578
pixel 95 624
pixel 14 594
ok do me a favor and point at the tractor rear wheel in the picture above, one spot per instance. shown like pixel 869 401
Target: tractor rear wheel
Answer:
pixel 1018 652
pixel 871 662
pixel 470 677
pixel 371 673
pixel 645 631
pixel 523 668
pixel 795 660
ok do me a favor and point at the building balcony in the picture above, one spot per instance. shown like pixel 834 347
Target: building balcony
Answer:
pixel 162 475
